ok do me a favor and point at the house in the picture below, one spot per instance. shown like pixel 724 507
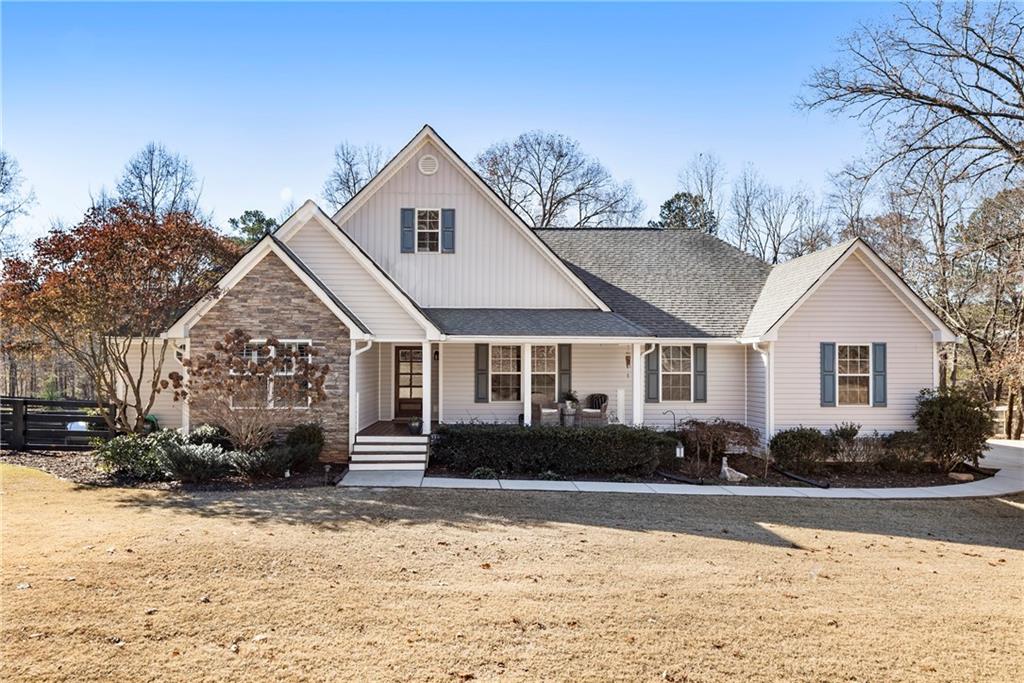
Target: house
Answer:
pixel 430 298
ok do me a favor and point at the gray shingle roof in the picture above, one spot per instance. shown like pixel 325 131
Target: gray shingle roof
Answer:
pixel 675 283
pixel 787 283
pixel 510 322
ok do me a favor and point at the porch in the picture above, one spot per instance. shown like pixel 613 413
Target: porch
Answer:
pixel 458 382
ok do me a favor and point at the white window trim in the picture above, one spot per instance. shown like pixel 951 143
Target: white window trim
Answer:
pixel 491 373
pixel 661 375
pixel 869 375
pixel 270 380
pixel 417 231
pixel 533 385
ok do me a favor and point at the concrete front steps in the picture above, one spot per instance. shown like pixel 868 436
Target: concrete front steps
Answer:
pixel 371 453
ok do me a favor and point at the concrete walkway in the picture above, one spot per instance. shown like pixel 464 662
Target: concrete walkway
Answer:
pixel 1008 456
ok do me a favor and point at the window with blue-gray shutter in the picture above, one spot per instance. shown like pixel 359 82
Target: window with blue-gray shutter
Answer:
pixel 878 381
pixel 483 360
pixel 828 374
pixel 564 370
pixel 700 373
pixel 447 231
pixel 408 231
pixel 653 363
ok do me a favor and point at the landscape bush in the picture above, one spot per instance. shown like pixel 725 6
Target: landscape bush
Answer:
pixel 134 456
pixel 904 453
pixel 271 462
pixel 211 434
pixel 706 441
pixel 800 449
pixel 305 441
pixel 510 449
pixel 952 426
pixel 194 463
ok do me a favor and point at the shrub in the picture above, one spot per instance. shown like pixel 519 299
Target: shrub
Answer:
pixel 210 434
pixel 190 462
pixel 845 432
pixel 269 462
pixel 714 439
pixel 903 453
pixel 483 473
pixel 861 454
pixel 306 441
pixel 802 449
pixel 133 455
pixel 952 426
pixel 510 449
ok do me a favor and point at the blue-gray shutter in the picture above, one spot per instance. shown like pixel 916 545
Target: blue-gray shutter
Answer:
pixel 408 231
pixel 448 231
pixel 564 370
pixel 700 373
pixel 483 357
pixel 878 374
pixel 653 394
pixel 828 374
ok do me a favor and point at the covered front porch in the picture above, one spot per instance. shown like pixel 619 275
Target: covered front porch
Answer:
pixel 488 380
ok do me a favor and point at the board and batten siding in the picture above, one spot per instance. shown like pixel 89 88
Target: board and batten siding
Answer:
pixel 351 283
pixel 368 386
pixel 726 398
pixel 494 264
pixel 167 411
pixel 757 373
pixel 851 307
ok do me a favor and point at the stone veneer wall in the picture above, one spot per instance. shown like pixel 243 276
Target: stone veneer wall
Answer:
pixel 271 301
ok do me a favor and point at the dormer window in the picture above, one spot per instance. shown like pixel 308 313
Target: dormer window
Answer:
pixel 428 230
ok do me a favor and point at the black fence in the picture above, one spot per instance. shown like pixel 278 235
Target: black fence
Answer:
pixel 35 423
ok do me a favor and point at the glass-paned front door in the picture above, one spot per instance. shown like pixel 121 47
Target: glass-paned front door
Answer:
pixel 408 381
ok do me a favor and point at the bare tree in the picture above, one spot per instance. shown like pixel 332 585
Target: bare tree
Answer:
pixel 14 202
pixel 847 196
pixel 746 195
pixel 550 182
pixel 705 177
pixel 814 227
pixel 937 82
pixel 158 181
pixel 354 166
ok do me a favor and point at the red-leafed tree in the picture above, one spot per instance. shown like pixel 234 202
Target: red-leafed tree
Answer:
pixel 104 290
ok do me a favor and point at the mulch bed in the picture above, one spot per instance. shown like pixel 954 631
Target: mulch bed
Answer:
pixel 78 467
pixel 754 468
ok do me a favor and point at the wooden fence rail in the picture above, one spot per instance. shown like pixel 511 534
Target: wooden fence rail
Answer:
pixel 29 423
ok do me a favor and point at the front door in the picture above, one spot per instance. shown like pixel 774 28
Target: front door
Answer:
pixel 408 381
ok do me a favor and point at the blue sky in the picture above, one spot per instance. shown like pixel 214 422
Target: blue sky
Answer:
pixel 257 95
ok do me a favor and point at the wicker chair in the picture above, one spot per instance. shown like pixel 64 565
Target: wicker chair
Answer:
pixel 544 410
pixel 596 412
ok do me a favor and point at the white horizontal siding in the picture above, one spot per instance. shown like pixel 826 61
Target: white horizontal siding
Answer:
pixel 368 386
pixel 459 378
pixel 601 369
pixel 351 283
pixel 756 391
pixel 851 306
pixel 494 264
pixel 166 410
pixel 725 392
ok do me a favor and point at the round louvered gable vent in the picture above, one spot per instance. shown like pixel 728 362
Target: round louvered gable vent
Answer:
pixel 428 164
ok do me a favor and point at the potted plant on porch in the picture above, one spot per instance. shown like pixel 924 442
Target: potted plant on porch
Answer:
pixel 415 426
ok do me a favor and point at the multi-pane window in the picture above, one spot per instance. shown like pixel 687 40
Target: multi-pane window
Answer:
pixel 854 374
pixel 506 373
pixel 428 230
pixel 544 375
pixel 676 373
pixel 275 391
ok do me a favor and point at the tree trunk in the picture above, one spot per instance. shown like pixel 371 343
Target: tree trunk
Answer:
pixel 1008 423
pixel 1019 430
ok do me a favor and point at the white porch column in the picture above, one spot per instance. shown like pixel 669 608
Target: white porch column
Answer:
pixel 428 357
pixel 526 357
pixel 638 384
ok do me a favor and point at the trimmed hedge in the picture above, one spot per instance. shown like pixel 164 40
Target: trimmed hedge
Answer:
pixel 510 449
pixel 802 449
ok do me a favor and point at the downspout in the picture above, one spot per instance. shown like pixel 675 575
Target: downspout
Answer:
pixel 769 407
pixel 353 395
pixel 642 368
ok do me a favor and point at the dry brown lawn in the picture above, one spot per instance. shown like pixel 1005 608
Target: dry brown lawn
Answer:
pixel 454 585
